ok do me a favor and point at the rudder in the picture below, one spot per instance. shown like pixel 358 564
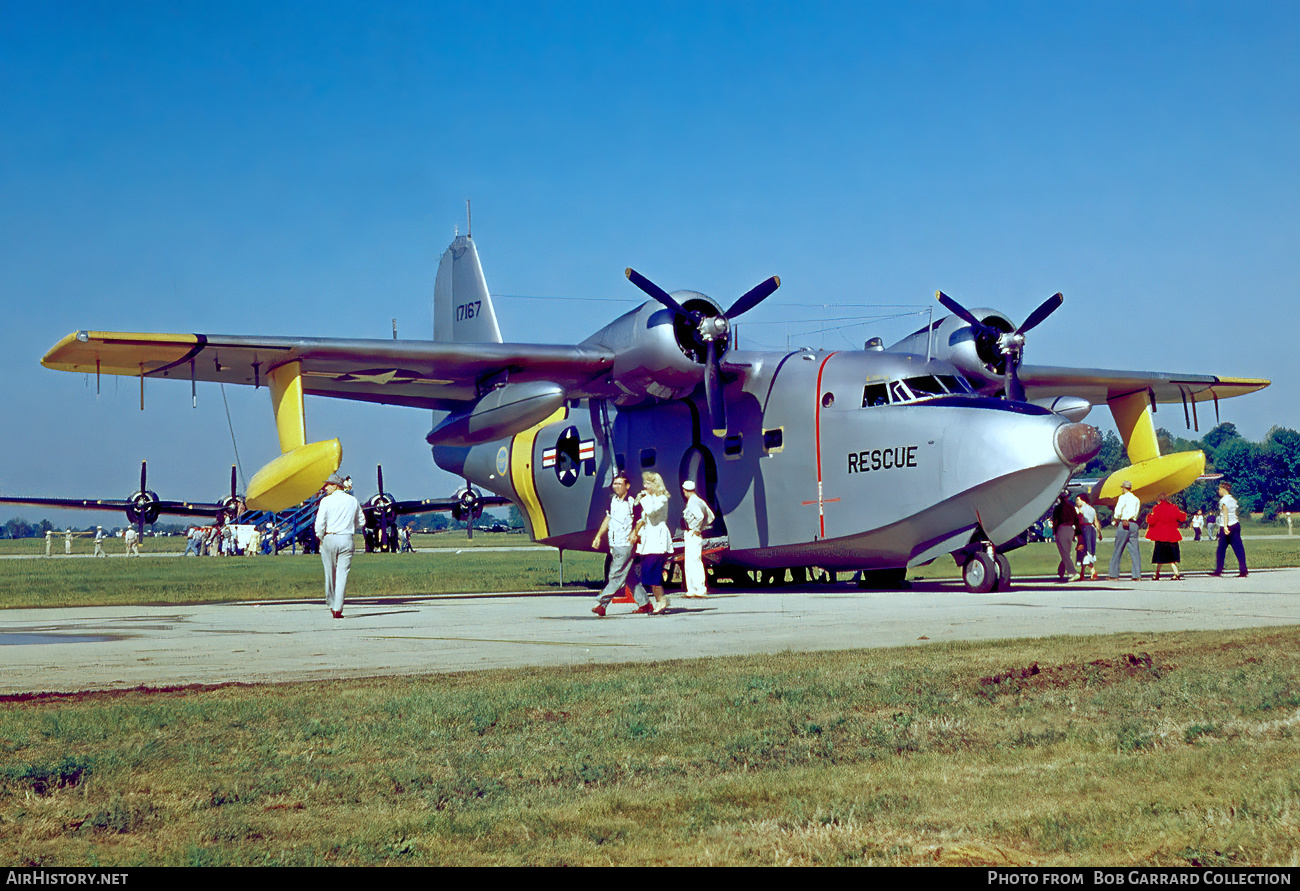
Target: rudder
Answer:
pixel 462 307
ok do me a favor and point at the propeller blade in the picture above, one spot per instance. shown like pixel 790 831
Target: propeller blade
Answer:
pixel 754 297
pixel 142 476
pixel 713 391
pixel 655 291
pixel 232 482
pixel 1048 307
pixel 380 469
pixel 958 310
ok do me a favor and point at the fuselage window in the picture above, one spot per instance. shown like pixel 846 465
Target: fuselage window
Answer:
pixel 898 392
pixel 773 440
pixel 874 394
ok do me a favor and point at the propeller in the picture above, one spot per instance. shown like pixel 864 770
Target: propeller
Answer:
pixel 709 332
pixel 468 507
pixel 1009 346
pixel 232 505
pixel 383 508
pixel 142 506
pixel 383 503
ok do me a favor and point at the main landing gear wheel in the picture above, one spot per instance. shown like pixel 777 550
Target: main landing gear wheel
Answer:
pixel 980 574
pixel 1003 566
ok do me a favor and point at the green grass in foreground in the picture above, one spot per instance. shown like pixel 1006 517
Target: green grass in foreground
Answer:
pixel 1174 749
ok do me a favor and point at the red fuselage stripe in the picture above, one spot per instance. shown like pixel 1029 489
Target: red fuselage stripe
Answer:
pixel 817 423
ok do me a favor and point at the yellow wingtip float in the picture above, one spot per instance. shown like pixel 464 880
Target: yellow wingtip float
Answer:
pixel 1151 473
pixel 1166 474
pixel 303 468
pixel 295 476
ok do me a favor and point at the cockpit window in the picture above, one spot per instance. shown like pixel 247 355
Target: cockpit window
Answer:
pixel 875 394
pixel 922 387
pixel 912 389
pixel 955 384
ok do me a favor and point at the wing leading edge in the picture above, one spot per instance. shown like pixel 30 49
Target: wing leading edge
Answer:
pixel 1100 385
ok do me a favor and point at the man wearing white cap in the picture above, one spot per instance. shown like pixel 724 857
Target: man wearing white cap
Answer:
pixel 338 517
pixel 696 517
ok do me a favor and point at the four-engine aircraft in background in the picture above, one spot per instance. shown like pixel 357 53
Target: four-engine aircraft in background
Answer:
pixel 143 506
pixel 872 460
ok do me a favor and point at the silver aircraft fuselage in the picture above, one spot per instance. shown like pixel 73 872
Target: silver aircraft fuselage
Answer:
pixel 843 460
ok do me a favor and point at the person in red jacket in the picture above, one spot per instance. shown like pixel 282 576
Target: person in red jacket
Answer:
pixel 1162 528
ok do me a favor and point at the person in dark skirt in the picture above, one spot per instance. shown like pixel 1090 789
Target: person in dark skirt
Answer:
pixel 1162 528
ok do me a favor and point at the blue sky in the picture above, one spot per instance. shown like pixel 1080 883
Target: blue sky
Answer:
pixel 298 168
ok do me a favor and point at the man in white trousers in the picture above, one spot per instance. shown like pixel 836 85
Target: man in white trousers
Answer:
pixel 696 517
pixel 338 518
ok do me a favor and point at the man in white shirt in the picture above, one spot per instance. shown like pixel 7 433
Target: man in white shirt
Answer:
pixel 1229 532
pixel 1126 533
pixel 338 517
pixel 696 517
pixel 99 542
pixel 618 523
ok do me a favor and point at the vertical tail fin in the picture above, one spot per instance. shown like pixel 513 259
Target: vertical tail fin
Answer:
pixel 462 307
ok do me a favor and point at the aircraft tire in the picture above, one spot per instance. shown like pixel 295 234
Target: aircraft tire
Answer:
pixel 980 573
pixel 1003 566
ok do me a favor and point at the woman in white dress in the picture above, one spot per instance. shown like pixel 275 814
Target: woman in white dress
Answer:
pixel 654 538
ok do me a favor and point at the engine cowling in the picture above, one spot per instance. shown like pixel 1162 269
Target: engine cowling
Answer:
pixel 143 507
pixel 951 339
pixel 658 355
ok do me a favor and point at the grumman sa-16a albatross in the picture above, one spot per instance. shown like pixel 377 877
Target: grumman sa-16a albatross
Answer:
pixel 871 460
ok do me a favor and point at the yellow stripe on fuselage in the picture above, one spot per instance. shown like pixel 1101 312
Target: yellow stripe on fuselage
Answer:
pixel 521 473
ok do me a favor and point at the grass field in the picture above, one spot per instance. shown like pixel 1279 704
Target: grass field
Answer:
pixel 1171 749
pixel 1174 749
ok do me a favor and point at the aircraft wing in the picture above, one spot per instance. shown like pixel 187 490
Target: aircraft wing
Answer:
pixel 178 508
pixel 1098 385
pixel 432 505
pixel 422 374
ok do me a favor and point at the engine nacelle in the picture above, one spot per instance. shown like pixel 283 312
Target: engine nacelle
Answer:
pixel 499 413
pixel 142 507
pixel 951 339
pixel 658 355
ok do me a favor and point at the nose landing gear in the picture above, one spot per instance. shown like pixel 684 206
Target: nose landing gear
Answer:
pixel 984 570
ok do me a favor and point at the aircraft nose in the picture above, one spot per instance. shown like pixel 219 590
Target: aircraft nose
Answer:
pixel 1077 443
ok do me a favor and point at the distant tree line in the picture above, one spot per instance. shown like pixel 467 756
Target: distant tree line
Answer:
pixel 1265 476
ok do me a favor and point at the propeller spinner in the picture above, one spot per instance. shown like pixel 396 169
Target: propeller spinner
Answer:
pixel 1009 345
pixel 712 333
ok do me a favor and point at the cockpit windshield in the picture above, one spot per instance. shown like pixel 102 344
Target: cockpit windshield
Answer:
pixel 912 389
